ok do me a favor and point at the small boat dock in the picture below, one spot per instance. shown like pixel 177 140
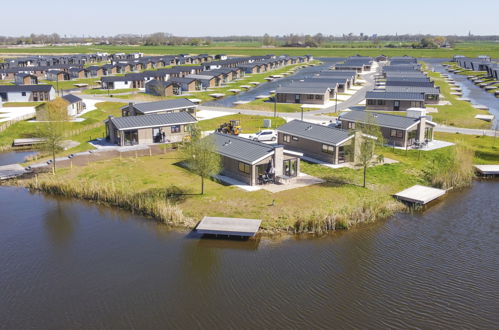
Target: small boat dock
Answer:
pixel 26 142
pixel 11 171
pixel 487 170
pixel 419 194
pixel 228 226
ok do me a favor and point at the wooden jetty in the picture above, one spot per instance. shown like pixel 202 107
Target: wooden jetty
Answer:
pixel 487 169
pixel 11 171
pixel 420 194
pixel 217 95
pixel 26 142
pixel 485 117
pixel 228 226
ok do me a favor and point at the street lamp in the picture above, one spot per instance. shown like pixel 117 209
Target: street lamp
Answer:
pixel 275 105
pixel 336 103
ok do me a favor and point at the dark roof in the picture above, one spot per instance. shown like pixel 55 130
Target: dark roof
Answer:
pixel 25 88
pixel 303 88
pixel 382 119
pixel 163 105
pixel 395 96
pixel 71 98
pixel 156 120
pixel 241 149
pixel 315 132
pixel 114 78
pixel 407 83
pixel 412 89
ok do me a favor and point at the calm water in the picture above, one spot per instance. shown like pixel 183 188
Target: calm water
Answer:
pixel 13 157
pixel 70 264
pixel 470 90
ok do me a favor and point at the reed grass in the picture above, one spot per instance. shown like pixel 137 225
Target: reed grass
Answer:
pixel 369 210
pixel 156 203
pixel 453 169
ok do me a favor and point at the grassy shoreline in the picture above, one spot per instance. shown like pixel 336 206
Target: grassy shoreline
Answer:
pixel 338 203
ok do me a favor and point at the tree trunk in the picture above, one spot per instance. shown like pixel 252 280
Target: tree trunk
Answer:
pixel 365 174
pixel 202 185
pixel 53 161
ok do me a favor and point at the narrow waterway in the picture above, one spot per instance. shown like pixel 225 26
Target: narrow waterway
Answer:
pixel 72 264
pixel 470 90
pixel 13 157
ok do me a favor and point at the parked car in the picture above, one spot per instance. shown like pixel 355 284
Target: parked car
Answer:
pixel 265 135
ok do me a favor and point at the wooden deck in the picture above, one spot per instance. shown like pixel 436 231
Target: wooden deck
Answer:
pixel 420 194
pixel 228 226
pixel 11 171
pixel 488 169
pixel 26 142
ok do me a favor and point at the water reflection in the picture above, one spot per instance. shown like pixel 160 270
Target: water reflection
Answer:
pixel 60 223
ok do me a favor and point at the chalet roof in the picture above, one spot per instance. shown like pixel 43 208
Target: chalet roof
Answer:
pixel 155 120
pixel 382 119
pixel 165 105
pixel 402 96
pixel 71 98
pixel 25 88
pixel 315 132
pixel 241 149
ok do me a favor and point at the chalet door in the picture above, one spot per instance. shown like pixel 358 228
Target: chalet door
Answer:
pixel 290 167
pixel 156 135
pixel 341 155
pixel 297 98
pixel 396 105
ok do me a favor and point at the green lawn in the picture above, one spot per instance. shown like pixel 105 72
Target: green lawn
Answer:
pixel 22 104
pixel 249 124
pixel 340 49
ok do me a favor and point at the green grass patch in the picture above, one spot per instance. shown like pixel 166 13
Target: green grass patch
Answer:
pixel 249 124
pixel 22 104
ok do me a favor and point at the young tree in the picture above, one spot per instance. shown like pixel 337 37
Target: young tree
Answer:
pixel 201 156
pixel 55 117
pixel 367 136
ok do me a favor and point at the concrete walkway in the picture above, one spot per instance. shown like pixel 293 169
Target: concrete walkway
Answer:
pixel 466 131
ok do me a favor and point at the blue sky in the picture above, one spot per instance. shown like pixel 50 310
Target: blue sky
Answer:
pixel 256 17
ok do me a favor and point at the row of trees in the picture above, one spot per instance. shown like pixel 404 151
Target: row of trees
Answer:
pixel 162 38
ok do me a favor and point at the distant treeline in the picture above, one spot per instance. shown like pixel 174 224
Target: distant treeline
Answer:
pixel 290 40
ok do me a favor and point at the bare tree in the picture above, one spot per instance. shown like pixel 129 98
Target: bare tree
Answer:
pixel 201 156
pixel 51 131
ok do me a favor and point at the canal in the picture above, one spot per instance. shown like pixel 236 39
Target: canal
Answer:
pixel 74 264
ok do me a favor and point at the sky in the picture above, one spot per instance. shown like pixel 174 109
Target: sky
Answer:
pixel 256 17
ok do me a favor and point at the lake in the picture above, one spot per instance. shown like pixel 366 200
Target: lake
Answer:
pixel 75 264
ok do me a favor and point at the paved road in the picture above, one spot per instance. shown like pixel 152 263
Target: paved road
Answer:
pixel 467 131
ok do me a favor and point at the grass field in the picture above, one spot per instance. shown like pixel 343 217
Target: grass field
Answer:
pixel 471 49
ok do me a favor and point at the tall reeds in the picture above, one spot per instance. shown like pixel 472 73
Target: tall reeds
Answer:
pixel 155 203
pixel 453 169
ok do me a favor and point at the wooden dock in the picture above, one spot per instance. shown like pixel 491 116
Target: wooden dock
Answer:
pixel 26 142
pixel 228 226
pixel 419 194
pixel 487 169
pixel 11 171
